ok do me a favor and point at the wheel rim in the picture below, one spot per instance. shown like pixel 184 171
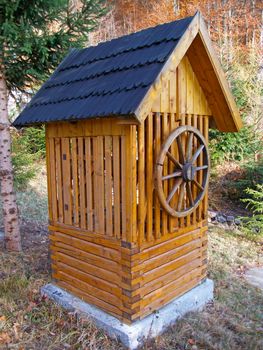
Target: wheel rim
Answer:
pixel 185 154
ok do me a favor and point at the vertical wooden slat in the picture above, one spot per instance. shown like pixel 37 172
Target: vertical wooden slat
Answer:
pixel 82 192
pixel 89 195
pixel 50 215
pixel 123 189
pixel 59 180
pixel 157 139
pixel 173 222
pixel 116 184
pixel 206 130
pixel 141 183
pixel 66 178
pixel 149 176
pixel 188 122
pixel 99 184
pixel 108 184
pixel 75 179
pixel 181 104
pixel 53 184
pixel 165 172
pixel 200 173
pixel 134 183
pixel 194 190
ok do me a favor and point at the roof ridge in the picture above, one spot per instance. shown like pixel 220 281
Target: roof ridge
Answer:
pixel 137 32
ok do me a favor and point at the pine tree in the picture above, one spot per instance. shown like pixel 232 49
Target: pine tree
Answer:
pixel 34 37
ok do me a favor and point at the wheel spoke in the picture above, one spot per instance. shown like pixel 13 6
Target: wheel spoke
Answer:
pixel 180 149
pixel 189 193
pixel 181 197
pixel 170 176
pixel 203 167
pixel 175 161
pixel 189 147
pixel 195 156
pixel 201 188
pixel 174 189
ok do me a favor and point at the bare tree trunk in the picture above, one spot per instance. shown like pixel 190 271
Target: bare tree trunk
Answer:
pixel 10 211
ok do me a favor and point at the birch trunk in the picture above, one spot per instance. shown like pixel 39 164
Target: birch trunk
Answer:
pixel 10 210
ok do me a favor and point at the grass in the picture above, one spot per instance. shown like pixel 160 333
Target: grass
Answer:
pixel 32 202
pixel 28 322
pixel 233 321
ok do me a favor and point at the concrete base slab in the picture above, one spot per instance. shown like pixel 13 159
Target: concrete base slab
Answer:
pixel 134 335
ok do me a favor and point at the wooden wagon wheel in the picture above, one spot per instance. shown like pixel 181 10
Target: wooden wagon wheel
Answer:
pixel 186 153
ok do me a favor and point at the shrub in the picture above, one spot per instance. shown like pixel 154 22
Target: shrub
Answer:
pixel 250 176
pixel 34 141
pixel 253 226
pixel 233 146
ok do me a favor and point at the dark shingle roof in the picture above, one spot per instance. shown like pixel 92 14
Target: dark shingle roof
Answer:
pixel 109 79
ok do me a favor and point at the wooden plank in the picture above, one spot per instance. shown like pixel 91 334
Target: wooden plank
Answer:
pixel 171 266
pixel 123 189
pixel 90 236
pixel 66 179
pixel 172 243
pixel 79 289
pixel 188 122
pixel 133 184
pixel 157 207
pixel 200 173
pixel 89 192
pixel 79 254
pixel 194 190
pixel 53 182
pixel 82 190
pixel 170 255
pixel 189 87
pixel 206 130
pixel 94 275
pixel 116 185
pixel 169 277
pixel 59 180
pixel 108 184
pixel 98 189
pixel 75 180
pixel 141 183
pixel 149 176
pixel 165 130
pixel 180 287
pixel 173 222
pixel 86 246
pixel 48 175
pixel 89 128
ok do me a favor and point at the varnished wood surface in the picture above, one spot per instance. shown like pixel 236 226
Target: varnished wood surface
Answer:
pixel 112 243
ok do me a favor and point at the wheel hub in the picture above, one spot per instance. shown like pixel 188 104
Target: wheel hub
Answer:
pixel 188 172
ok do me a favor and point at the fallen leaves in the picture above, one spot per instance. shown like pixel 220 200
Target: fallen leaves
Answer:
pixel 4 338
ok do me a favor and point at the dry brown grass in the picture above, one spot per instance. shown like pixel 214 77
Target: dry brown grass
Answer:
pixel 233 321
pixel 27 321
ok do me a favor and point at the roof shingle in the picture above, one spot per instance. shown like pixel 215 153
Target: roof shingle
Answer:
pixel 109 79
